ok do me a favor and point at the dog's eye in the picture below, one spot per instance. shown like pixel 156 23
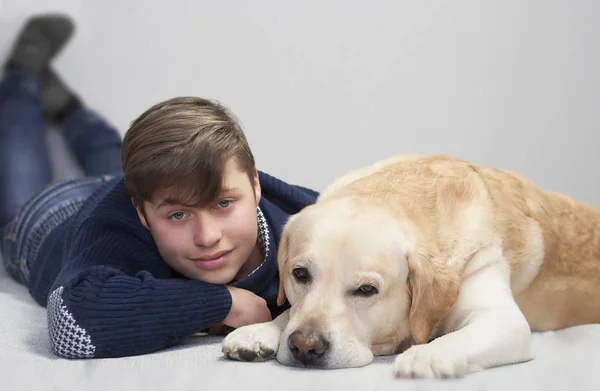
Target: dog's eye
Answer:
pixel 366 290
pixel 301 275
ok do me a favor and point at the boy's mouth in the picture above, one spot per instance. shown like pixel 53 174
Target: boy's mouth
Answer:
pixel 212 261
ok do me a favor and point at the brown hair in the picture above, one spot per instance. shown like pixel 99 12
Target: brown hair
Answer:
pixel 182 145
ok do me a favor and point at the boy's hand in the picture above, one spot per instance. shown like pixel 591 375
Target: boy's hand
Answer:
pixel 246 308
pixel 219 329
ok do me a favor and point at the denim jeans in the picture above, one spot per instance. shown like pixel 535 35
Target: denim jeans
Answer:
pixel 31 205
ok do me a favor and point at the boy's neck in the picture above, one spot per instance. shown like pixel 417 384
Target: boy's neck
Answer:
pixel 255 259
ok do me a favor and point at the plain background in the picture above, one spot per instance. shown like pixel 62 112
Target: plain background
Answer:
pixel 322 87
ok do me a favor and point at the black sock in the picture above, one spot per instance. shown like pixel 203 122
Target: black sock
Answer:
pixel 72 105
pixel 10 65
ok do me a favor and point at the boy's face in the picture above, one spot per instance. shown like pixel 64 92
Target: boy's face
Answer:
pixel 216 243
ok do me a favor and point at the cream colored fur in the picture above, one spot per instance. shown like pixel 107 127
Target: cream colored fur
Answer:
pixel 465 261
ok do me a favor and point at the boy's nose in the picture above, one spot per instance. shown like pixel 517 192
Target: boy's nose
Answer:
pixel 206 234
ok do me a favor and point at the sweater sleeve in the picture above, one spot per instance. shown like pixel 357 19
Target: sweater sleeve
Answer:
pixel 106 303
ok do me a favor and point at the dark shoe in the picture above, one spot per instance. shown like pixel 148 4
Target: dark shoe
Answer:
pixel 39 41
pixel 58 101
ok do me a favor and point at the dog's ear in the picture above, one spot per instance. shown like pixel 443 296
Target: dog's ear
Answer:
pixel 434 288
pixel 282 259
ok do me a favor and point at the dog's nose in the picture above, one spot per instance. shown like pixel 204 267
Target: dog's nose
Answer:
pixel 307 346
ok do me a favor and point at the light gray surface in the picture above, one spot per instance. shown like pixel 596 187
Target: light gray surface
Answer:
pixel 567 360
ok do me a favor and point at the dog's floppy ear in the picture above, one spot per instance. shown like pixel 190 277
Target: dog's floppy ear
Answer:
pixel 434 289
pixel 282 259
pixel 281 262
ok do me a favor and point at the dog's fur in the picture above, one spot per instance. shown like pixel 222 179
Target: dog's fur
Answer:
pixel 464 260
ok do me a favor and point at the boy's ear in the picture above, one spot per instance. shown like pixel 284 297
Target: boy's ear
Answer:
pixel 257 189
pixel 140 214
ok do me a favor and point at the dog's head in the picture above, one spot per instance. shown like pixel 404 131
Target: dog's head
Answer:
pixel 356 286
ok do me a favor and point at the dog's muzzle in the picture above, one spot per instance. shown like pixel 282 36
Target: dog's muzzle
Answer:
pixel 308 347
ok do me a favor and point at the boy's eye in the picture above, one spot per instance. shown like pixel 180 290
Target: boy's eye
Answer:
pixel 224 203
pixel 178 215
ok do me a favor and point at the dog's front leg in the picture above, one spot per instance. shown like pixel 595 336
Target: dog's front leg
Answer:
pixel 256 342
pixel 484 329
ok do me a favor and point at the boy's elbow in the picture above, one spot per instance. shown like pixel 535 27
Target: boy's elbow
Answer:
pixel 67 338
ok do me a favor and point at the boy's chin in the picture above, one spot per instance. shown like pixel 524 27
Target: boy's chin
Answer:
pixel 219 277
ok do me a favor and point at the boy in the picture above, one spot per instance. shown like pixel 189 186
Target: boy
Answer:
pixel 130 264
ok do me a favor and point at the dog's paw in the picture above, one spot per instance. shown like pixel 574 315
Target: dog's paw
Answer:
pixel 428 361
pixel 257 342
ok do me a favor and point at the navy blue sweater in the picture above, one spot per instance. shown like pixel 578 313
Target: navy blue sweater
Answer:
pixel 110 294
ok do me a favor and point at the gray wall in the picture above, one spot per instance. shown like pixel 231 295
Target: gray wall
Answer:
pixel 325 86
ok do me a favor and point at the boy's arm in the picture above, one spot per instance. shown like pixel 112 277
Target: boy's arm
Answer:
pixel 105 305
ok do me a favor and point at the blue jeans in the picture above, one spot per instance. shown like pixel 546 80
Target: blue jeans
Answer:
pixel 31 205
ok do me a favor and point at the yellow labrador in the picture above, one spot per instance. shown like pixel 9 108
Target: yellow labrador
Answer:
pixel 447 263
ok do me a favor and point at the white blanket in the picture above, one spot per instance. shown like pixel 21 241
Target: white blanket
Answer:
pixel 566 360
